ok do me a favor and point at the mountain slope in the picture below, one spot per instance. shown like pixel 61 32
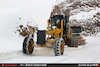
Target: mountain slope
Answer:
pixel 82 12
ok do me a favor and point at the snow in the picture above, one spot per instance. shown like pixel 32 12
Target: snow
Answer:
pixel 85 15
pixel 11 11
pixel 29 11
pixel 37 12
pixel 89 53
pixel 58 1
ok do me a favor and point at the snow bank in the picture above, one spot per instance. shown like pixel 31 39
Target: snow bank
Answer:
pixel 85 15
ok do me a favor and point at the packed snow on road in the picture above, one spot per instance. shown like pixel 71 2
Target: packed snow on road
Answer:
pixel 38 12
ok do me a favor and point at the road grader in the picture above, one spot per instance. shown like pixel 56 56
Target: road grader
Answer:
pixel 57 35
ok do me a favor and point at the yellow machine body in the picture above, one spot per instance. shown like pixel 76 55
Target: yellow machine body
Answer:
pixel 56 36
pixel 55 32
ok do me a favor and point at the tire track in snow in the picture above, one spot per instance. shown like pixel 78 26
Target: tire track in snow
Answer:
pixel 73 55
pixel 6 56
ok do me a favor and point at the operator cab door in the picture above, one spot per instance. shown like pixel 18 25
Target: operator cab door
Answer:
pixel 55 19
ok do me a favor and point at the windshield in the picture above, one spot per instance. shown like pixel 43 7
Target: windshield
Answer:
pixel 55 20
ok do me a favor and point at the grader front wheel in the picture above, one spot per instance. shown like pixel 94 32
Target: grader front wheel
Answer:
pixel 27 45
pixel 59 46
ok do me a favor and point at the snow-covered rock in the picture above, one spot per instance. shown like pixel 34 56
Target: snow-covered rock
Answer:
pixel 82 12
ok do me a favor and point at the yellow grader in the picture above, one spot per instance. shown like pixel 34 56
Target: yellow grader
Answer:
pixel 57 35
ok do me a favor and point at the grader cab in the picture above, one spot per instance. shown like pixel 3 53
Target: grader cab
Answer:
pixel 57 35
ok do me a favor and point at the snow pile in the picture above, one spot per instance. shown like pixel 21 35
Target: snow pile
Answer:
pixel 82 12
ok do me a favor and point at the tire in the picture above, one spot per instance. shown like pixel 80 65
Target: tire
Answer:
pixel 68 42
pixel 59 46
pixel 65 40
pixel 74 42
pixel 27 45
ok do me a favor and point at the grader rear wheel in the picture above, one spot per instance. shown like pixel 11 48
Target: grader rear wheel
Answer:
pixel 74 42
pixel 27 45
pixel 59 46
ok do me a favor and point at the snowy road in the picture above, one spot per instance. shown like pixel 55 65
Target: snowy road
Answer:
pixel 29 11
pixel 89 53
